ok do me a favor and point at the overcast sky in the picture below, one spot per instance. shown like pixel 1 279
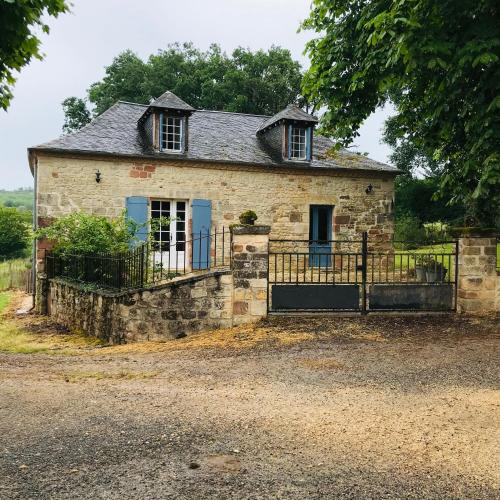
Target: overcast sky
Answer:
pixel 83 42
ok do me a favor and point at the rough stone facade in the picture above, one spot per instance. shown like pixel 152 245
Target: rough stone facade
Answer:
pixel 171 310
pixel 478 280
pixel 280 197
pixel 250 273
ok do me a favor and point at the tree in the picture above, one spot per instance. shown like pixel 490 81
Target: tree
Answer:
pixel 76 114
pixel 441 60
pixel 261 82
pixel 19 21
pixel 14 233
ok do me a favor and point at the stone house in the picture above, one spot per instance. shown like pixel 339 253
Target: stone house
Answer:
pixel 204 168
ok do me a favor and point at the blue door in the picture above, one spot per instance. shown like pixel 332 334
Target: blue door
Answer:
pixel 202 216
pixel 320 235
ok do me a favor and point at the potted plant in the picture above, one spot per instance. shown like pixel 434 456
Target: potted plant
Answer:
pixel 420 268
pixel 248 218
pixel 435 271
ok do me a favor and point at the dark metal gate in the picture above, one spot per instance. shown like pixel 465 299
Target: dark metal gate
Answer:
pixel 350 275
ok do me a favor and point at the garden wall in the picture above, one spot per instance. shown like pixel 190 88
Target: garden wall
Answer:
pixel 171 310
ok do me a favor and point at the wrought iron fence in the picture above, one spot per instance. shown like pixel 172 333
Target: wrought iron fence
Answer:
pixel 147 264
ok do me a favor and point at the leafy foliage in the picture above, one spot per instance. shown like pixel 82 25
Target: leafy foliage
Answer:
pixel 14 232
pixel 19 21
pixel 438 61
pixel 248 217
pixel 261 82
pixel 82 233
pixel 76 114
pixel 415 197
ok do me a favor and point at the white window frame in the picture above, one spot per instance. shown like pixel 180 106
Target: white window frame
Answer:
pixel 168 124
pixel 298 143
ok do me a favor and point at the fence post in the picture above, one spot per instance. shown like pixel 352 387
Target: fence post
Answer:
pixel 364 260
pixel 250 272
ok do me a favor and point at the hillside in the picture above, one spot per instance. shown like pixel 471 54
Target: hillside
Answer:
pixel 21 198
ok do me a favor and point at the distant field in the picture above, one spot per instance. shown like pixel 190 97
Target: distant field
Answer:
pixel 18 198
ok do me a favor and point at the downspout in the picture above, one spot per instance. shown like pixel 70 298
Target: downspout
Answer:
pixel 34 224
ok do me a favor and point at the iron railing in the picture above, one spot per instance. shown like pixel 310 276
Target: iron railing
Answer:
pixel 147 264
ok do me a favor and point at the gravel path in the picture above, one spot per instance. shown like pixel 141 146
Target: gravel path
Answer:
pixel 354 408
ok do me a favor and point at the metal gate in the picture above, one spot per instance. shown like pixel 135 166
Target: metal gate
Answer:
pixel 350 275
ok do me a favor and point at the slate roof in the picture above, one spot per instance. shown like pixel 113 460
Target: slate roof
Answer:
pixel 169 100
pixel 291 112
pixel 214 136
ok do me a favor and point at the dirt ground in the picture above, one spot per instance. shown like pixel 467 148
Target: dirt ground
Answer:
pixel 293 407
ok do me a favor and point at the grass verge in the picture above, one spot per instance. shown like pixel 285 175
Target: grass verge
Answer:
pixel 30 335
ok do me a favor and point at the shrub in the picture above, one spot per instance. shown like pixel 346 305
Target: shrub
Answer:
pixel 82 233
pixel 14 233
pixel 409 232
pixel 248 218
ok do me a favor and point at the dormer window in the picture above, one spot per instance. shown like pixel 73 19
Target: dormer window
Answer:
pixel 289 133
pixel 299 143
pixel 165 123
pixel 171 133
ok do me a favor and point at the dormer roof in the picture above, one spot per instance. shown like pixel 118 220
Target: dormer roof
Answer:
pixel 291 112
pixel 169 100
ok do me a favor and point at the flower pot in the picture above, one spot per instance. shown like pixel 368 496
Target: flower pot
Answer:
pixel 435 275
pixel 420 273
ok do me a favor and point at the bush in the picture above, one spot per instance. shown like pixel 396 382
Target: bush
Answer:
pixel 14 233
pixel 409 232
pixel 82 233
pixel 248 218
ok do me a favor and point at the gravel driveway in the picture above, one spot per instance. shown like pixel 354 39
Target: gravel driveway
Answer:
pixel 292 408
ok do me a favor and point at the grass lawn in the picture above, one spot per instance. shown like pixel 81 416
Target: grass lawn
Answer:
pixel 28 335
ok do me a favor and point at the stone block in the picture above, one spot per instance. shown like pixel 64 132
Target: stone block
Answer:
pixel 240 307
pixel 197 293
pixel 258 308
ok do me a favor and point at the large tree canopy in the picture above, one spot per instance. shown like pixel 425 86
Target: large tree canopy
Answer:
pixel 440 58
pixel 19 21
pixel 247 82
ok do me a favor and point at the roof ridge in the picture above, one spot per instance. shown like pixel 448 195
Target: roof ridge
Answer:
pixel 233 113
pixel 133 103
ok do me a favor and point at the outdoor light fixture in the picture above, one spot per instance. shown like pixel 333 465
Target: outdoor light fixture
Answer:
pixel 97 176
pixel 368 189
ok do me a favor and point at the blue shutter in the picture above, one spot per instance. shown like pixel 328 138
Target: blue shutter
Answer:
pixel 202 216
pixel 289 141
pixel 308 143
pixel 138 211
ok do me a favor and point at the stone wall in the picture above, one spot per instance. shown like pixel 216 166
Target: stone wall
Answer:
pixel 208 300
pixel 280 197
pixel 175 309
pixel 478 280
pixel 250 273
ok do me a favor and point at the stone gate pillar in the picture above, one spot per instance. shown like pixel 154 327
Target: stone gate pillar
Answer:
pixel 250 256
pixel 477 275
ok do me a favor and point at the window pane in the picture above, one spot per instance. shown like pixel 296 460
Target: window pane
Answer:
pixel 298 143
pixel 171 133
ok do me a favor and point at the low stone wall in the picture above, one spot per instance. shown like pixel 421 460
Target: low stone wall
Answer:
pixel 210 300
pixel 171 310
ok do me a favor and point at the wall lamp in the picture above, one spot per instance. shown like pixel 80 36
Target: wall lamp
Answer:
pixel 368 189
pixel 97 176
